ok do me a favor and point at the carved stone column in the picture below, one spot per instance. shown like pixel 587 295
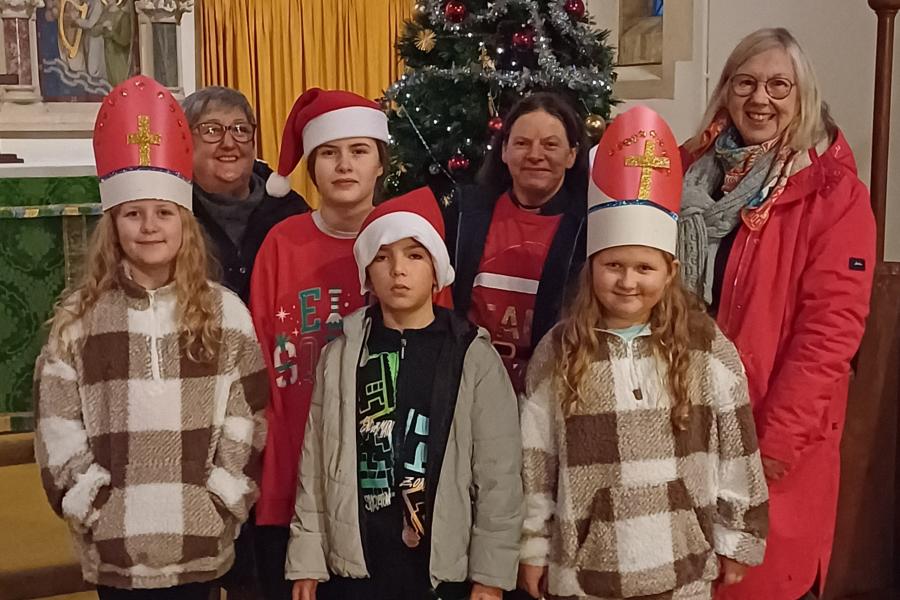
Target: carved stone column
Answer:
pixel 164 11
pixel 19 73
pixel 159 21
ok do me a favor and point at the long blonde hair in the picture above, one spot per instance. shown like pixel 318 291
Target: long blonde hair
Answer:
pixel 678 318
pixel 812 122
pixel 196 312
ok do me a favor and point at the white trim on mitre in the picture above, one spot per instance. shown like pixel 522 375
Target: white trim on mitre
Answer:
pixel 143 183
pixel 350 122
pixel 393 227
pixel 630 224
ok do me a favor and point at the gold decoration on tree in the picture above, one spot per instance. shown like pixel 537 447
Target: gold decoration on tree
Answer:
pixel 487 63
pixel 426 40
pixel 398 166
pixel 595 125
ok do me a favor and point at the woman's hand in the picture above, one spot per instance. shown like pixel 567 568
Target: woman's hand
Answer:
pixel 532 579
pixel 773 469
pixel 304 589
pixel 731 571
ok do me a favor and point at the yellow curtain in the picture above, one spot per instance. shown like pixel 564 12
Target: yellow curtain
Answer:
pixel 273 50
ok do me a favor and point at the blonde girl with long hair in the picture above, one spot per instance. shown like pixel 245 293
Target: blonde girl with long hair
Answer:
pixel 150 391
pixel 641 470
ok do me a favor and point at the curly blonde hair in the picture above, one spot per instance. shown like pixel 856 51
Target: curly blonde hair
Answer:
pixel 196 301
pixel 578 342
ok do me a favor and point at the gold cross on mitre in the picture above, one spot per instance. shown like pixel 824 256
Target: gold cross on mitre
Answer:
pixel 647 162
pixel 144 138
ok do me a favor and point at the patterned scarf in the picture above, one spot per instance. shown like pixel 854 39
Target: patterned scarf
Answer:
pixel 737 161
pixel 749 180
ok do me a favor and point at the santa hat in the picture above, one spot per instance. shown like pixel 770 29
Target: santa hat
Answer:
pixel 413 215
pixel 142 145
pixel 634 192
pixel 321 116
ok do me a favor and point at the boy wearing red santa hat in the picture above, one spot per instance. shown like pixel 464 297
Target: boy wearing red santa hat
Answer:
pixel 410 479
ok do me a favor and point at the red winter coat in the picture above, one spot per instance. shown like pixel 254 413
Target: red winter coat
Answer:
pixel 795 297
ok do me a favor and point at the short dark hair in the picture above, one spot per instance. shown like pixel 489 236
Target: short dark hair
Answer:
pixel 197 104
pixel 494 174
pixel 384 157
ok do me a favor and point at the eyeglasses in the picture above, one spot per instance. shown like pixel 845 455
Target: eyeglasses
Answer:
pixel 778 88
pixel 213 132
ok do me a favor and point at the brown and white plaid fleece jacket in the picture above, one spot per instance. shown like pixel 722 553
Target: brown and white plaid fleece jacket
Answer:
pixel 619 504
pixel 153 459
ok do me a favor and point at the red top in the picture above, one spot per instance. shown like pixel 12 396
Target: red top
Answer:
pixel 794 301
pixel 506 285
pixel 304 282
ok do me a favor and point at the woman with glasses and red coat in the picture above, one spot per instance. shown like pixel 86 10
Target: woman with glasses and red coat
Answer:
pixel 776 234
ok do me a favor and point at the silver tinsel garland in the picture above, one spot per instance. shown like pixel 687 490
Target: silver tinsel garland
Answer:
pixel 583 79
pixel 581 33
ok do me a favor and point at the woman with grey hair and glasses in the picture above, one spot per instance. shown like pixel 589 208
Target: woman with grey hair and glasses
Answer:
pixel 230 199
pixel 777 236
pixel 232 206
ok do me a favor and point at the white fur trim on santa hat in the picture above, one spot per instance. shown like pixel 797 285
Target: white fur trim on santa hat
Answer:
pixel 393 227
pixel 278 186
pixel 350 122
pixel 630 224
pixel 142 183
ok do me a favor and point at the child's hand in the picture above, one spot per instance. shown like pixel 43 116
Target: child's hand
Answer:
pixel 304 589
pixel 730 571
pixel 485 592
pixel 533 580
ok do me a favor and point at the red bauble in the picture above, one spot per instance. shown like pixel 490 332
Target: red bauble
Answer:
pixel 455 11
pixel 458 163
pixel 575 8
pixel 495 124
pixel 523 39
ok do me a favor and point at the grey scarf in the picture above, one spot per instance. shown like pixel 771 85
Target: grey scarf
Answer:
pixel 703 221
pixel 233 214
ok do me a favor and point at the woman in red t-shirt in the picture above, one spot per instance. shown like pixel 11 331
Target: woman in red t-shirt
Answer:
pixel 517 238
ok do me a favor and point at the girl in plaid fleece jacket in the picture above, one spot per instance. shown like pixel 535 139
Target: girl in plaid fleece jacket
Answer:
pixel 633 490
pixel 150 392
pixel 641 469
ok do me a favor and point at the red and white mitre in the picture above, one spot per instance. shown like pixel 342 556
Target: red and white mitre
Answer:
pixel 634 193
pixel 142 145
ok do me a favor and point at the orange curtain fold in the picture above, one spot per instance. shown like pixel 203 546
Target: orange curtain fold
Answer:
pixel 273 50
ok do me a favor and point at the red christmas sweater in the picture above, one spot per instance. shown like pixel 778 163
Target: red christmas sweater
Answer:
pixel 506 284
pixel 304 282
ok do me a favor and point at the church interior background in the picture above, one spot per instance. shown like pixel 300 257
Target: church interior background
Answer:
pixel 62 56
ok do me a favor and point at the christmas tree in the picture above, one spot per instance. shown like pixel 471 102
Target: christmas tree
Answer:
pixel 467 63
